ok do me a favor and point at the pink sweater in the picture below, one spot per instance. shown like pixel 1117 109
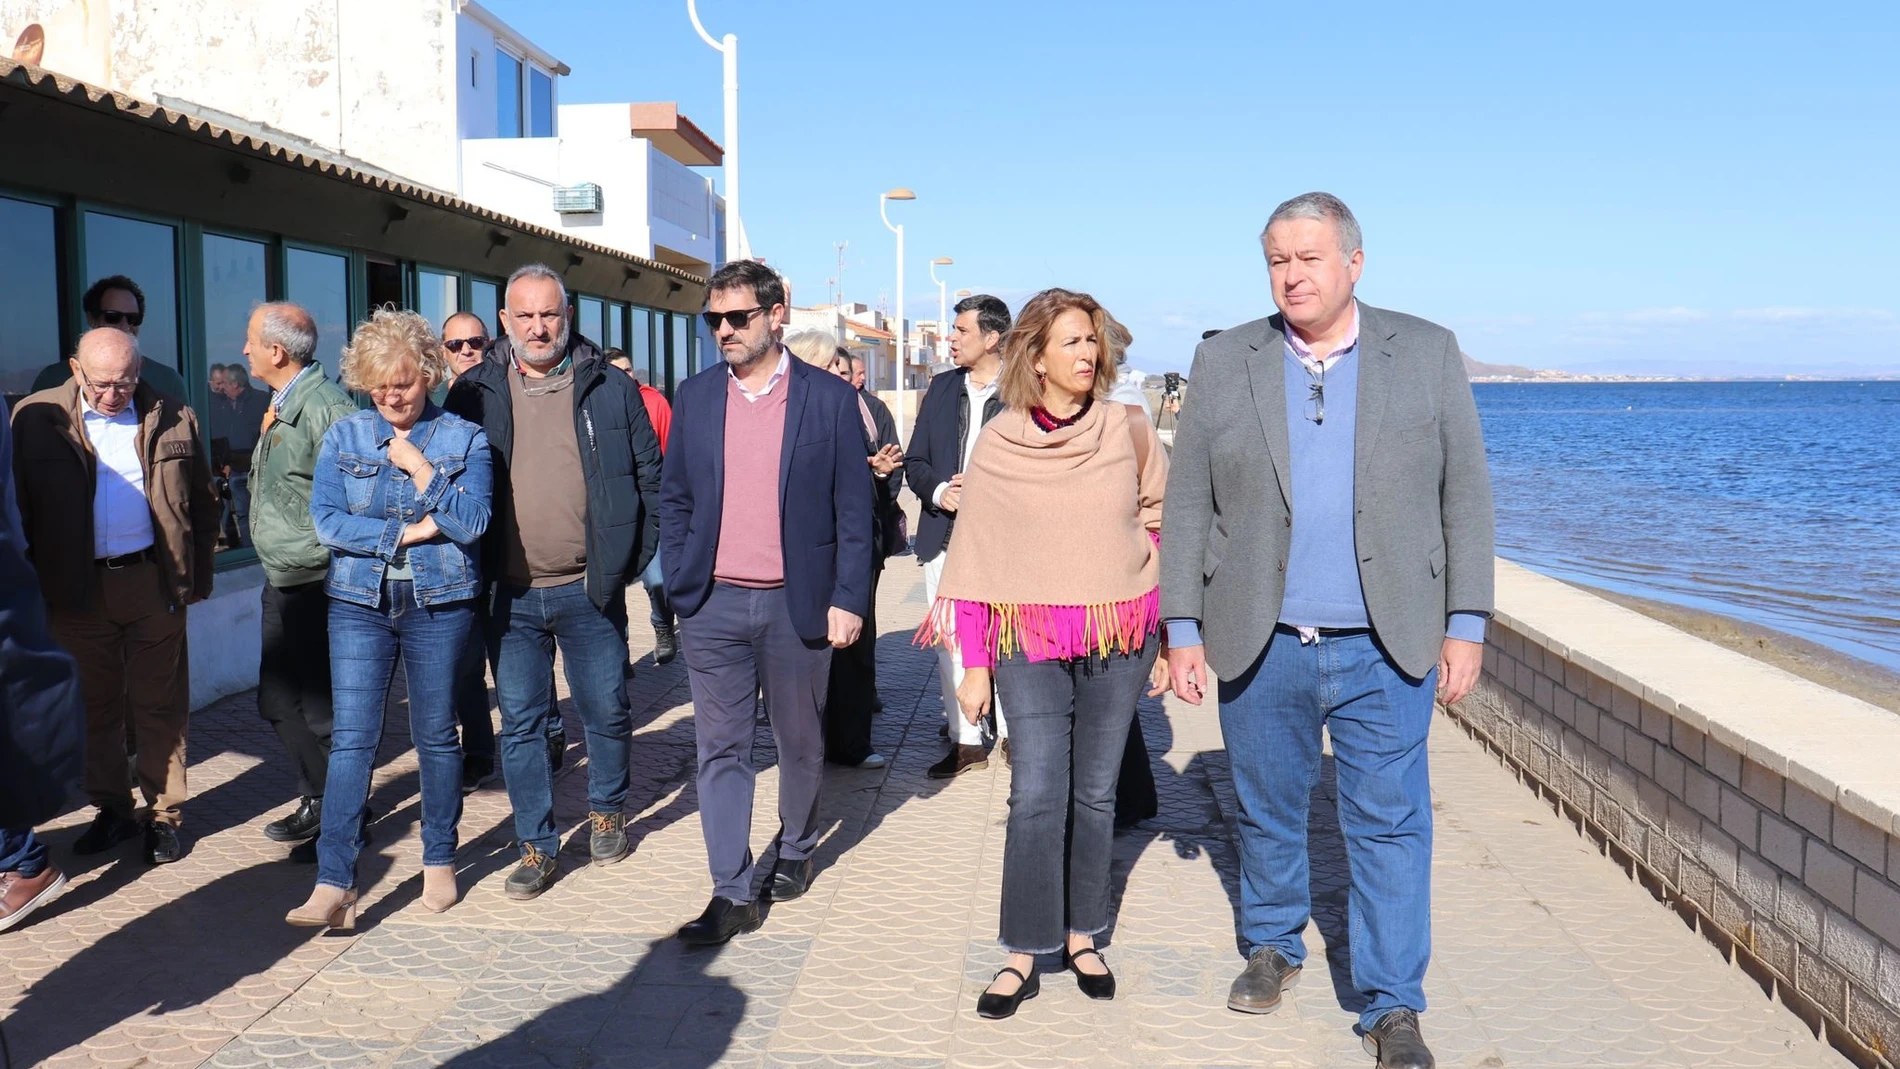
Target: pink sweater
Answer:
pixel 751 551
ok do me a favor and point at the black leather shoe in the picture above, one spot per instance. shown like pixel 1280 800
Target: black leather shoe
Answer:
pixel 162 845
pixel 790 879
pixel 108 829
pixel 1094 985
pixel 959 760
pixel 1397 1042
pixel 722 920
pixel 996 1007
pixel 557 748
pixel 303 823
pixel 1259 986
pixel 666 643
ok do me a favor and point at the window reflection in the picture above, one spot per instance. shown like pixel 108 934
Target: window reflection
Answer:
pixel 588 324
pixel 147 254
pixel 437 296
pixel 616 331
pixel 507 95
pixel 29 295
pixel 484 299
pixel 320 282
pixel 640 347
pixel 234 285
pixel 540 104
pixel 678 357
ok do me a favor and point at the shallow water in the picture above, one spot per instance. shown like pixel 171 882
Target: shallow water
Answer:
pixel 1777 503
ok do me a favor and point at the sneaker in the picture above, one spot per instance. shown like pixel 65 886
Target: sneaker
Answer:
pixel 666 643
pixel 477 772
pixel 21 895
pixel 607 843
pixel 876 760
pixel 534 875
pixel 301 824
pixel 108 830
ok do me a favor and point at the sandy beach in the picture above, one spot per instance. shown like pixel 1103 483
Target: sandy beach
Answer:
pixel 1810 660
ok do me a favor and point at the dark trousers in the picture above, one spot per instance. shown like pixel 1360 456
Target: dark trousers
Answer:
pixel 293 679
pixel 1135 798
pixel 741 642
pixel 134 670
pixel 1068 732
pixel 852 694
pixel 471 692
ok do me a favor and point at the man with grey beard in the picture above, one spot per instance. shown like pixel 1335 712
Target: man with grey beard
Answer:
pixel 577 481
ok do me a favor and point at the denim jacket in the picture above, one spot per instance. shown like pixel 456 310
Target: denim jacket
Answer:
pixel 361 503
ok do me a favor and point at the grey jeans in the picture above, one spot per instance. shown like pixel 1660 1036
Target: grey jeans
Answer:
pixel 1068 726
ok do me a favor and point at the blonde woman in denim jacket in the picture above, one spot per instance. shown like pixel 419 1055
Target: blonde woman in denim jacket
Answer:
pixel 401 498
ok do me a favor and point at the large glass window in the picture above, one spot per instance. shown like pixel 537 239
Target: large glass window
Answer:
pixel 642 350
pixel 507 95
pixel 320 281
pixel 438 296
pixel 147 253
pixel 540 104
pixel 588 323
pixel 616 327
pixel 679 356
pixel 234 284
pixel 29 295
pixel 484 299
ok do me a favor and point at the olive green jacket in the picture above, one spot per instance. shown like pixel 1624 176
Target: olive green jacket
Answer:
pixel 281 468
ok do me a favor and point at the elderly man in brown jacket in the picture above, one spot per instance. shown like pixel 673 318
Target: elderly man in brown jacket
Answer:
pixel 115 493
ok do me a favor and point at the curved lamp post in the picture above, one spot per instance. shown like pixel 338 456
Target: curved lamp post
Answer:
pixel 941 261
pixel 729 46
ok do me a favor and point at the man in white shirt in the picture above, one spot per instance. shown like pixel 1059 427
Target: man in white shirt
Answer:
pixel 952 414
pixel 115 498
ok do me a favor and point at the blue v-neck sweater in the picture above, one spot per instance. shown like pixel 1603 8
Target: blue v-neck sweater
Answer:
pixel 1322 566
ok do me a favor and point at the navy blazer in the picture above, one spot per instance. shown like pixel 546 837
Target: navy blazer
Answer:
pixel 824 489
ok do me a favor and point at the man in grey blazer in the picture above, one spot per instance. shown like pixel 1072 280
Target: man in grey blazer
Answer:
pixel 1329 535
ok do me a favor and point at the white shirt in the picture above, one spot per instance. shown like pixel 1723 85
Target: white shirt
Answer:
pixel 977 396
pixel 784 366
pixel 121 516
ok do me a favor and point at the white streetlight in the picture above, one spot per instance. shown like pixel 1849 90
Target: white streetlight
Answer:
pixel 729 46
pixel 941 261
pixel 903 340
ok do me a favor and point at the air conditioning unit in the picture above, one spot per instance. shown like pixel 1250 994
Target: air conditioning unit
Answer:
pixel 577 200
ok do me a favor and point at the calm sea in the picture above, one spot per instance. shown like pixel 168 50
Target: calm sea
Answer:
pixel 1776 503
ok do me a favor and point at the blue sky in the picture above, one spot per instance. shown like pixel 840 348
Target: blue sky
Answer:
pixel 1678 187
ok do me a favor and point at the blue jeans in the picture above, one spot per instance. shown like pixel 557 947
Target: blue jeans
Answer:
pixel 1378 720
pixel 22 852
pixel 524 628
pixel 364 644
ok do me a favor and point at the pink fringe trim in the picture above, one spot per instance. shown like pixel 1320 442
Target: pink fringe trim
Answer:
pixel 1040 632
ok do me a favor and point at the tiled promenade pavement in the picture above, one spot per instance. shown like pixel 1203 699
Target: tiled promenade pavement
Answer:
pixel 1546 954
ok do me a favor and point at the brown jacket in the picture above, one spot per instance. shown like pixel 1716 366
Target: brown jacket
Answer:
pixel 55 471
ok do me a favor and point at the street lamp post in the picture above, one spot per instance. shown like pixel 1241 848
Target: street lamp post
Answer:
pixel 903 340
pixel 729 47
pixel 941 261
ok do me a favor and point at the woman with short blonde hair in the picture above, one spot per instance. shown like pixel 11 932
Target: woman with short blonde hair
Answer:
pixel 1052 586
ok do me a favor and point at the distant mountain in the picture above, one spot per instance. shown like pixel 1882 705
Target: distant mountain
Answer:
pixel 1477 369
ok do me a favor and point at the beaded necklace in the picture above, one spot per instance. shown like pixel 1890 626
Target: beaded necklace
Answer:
pixel 1049 423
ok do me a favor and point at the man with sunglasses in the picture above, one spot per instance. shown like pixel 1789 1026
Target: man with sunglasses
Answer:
pixel 293 672
pixel 117 302
pixel 115 497
pixel 766 545
pixel 577 481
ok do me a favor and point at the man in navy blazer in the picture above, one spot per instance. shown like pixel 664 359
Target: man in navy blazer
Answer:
pixel 765 539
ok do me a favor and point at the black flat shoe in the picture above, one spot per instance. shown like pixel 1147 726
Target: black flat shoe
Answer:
pixel 996 1007
pixel 722 920
pixel 106 831
pixel 1094 985
pixel 301 825
pixel 790 879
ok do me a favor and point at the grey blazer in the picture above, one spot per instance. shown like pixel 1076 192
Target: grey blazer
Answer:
pixel 1421 489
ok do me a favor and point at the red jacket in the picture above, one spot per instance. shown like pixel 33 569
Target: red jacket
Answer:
pixel 659 412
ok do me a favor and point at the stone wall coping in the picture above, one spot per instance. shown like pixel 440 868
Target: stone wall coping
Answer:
pixel 1844 749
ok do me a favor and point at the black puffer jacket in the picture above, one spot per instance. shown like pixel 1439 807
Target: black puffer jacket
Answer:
pixel 620 459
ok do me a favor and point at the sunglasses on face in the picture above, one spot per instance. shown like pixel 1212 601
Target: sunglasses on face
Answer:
pixel 477 344
pixel 112 319
pixel 737 320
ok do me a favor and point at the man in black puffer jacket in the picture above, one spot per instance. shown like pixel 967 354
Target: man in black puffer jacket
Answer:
pixel 576 519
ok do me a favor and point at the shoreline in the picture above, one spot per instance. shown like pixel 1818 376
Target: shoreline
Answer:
pixel 1810 660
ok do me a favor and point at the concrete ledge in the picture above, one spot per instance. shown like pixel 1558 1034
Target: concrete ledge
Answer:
pixel 1763 806
pixel 225 633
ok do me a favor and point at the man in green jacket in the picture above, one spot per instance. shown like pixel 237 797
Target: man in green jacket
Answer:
pixel 293 673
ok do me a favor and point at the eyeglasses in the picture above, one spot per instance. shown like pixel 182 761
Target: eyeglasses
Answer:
pixel 736 320
pixel 391 389
pixel 100 389
pixel 1316 398
pixel 112 318
pixel 478 343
